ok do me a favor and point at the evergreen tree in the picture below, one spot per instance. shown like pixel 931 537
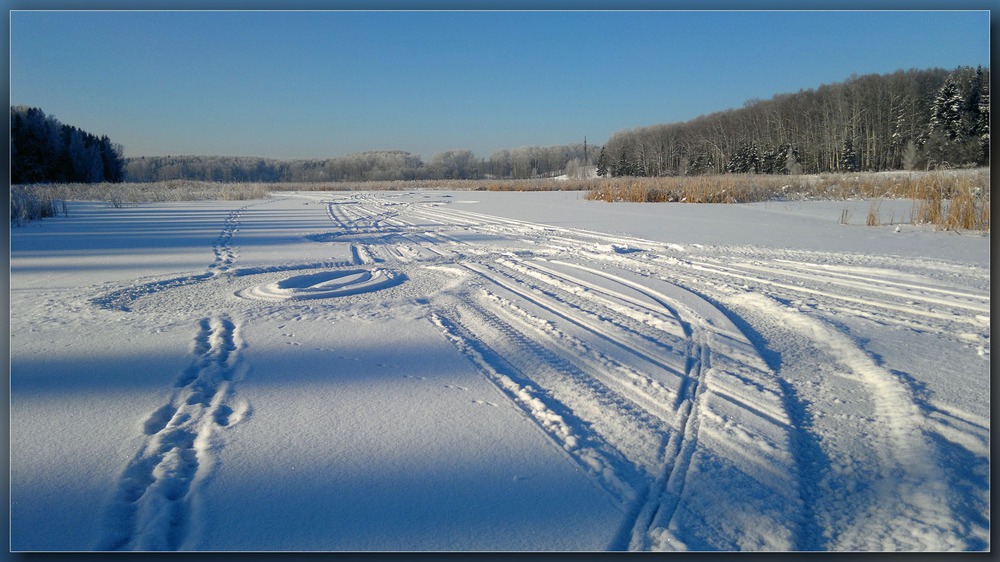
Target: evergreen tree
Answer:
pixel 624 166
pixel 792 161
pixel 957 122
pixel 946 113
pixel 111 160
pixel 745 161
pixel 979 107
pixel 44 150
pixel 701 163
pixel 602 164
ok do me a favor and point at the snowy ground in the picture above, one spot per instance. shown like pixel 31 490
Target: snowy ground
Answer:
pixel 496 371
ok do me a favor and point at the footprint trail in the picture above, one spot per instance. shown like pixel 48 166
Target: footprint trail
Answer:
pixel 154 504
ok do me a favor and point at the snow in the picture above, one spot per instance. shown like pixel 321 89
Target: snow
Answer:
pixel 467 371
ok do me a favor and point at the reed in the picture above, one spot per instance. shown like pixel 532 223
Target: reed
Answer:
pixel 948 199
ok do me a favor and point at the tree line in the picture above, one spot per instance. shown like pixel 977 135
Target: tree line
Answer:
pixel 907 120
pixel 915 119
pixel 384 165
pixel 43 150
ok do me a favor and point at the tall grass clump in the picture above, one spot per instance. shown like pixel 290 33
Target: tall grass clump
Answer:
pixel 27 204
pixel 122 194
pixel 928 201
pixel 536 184
pixel 948 199
pixel 953 202
pixel 730 188
pixel 873 218
pixel 130 193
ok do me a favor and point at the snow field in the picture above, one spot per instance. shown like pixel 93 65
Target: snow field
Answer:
pixel 394 371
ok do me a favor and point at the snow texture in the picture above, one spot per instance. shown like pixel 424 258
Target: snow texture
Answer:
pixel 467 371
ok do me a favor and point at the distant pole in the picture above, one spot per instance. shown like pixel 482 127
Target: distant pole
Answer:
pixel 585 159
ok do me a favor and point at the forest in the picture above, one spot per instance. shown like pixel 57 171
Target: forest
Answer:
pixel 907 120
pixel 384 165
pixel 43 150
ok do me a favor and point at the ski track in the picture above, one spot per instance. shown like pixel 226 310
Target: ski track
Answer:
pixel 651 366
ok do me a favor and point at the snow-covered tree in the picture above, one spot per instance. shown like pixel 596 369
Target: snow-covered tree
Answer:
pixel 979 105
pixel 946 112
pixel 959 120
pixel 45 150
pixel 746 160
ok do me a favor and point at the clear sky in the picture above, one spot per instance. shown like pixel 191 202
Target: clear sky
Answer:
pixel 318 84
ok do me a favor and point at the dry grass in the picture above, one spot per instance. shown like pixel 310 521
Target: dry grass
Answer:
pixel 696 189
pixel 952 199
pixel 541 184
pixel 27 204
pixel 121 194
pixel 873 218
pixel 960 204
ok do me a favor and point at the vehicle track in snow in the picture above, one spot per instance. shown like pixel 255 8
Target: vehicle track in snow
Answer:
pixel 619 312
pixel 709 390
pixel 617 374
pixel 813 295
pixel 890 459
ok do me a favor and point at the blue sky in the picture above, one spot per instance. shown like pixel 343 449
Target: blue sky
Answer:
pixel 322 84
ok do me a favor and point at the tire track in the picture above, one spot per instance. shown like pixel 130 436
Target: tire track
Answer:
pixel 651 378
pixel 907 304
pixel 738 464
pixel 736 400
pixel 573 435
pixel 729 415
pixel 890 457
pixel 901 458
pixel 623 355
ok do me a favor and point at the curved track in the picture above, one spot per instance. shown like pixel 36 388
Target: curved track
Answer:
pixel 715 393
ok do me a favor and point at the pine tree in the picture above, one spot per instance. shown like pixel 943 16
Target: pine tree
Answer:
pixel 793 162
pixel 946 112
pixel 745 161
pixel 623 167
pixel 45 150
pixel 957 120
pixel 602 164
pixel 111 160
pixel 983 129
pixel 979 108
